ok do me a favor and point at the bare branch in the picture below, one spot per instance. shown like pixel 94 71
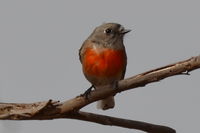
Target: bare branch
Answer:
pixel 113 121
pixel 133 82
pixel 70 108
pixel 22 111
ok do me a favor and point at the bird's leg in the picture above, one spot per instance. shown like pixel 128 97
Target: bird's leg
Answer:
pixel 115 85
pixel 88 91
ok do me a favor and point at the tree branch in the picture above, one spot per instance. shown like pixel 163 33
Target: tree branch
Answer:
pixel 133 82
pixel 113 121
pixel 70 108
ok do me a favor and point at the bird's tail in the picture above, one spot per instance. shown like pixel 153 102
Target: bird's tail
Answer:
pixel 106 103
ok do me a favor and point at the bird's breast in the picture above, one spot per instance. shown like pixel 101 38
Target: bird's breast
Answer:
pixel 104 63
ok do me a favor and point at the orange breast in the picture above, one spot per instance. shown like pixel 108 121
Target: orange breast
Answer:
pixel 106 63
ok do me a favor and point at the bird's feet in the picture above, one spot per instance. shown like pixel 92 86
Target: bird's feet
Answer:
pixel 87 92
pixel 115 85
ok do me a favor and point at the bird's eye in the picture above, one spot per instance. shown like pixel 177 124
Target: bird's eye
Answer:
pixel 108 31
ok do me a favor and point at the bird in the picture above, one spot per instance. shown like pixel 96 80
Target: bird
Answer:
pixel 103 58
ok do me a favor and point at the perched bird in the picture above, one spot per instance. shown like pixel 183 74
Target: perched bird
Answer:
pixel 103 58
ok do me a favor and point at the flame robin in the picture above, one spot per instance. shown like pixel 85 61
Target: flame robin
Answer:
pixel 103 58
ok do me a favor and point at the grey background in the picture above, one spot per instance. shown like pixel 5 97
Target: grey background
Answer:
pixel 39 42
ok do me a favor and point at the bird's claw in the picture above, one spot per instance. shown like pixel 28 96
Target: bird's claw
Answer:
pixel 87 92
pixel 115 85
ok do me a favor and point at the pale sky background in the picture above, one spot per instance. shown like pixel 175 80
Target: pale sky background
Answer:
pixel 39 42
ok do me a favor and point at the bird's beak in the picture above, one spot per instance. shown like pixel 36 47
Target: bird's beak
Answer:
pixel 124 31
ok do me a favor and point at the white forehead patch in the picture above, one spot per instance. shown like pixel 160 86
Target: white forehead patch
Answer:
pixel 121 28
